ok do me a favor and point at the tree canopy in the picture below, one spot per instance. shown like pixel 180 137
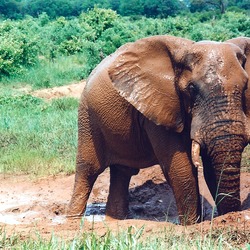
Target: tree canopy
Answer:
pixel 17 9
pixel 98 32
pixel 221 5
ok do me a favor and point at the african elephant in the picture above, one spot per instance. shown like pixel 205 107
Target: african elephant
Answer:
pixel 166 100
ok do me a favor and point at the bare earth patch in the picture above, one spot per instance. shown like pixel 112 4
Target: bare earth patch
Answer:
pixel 28 206
pixel 72 90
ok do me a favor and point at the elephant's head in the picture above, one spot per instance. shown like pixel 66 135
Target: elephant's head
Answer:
pixel 196 88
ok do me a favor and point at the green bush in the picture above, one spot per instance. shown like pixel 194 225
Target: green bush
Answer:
pixel 99 19
pixel 17 50
pixel 237 23
pixel 64 104
pixel 119 34
pixel 46 43
pixel 20 101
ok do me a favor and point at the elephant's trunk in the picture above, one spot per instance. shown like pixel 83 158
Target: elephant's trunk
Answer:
pixel 222 160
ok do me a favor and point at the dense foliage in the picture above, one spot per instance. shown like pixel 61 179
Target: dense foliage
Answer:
pixel 32 42
pixel 158 8
pixel 221 5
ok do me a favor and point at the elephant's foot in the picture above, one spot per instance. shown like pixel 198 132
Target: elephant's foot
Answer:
pixel 73 214
pixel 117 210
pixel 189 219
pixel 77 207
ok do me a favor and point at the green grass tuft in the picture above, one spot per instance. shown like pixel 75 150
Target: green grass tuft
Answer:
pixel 130 239
pixel 37 137
pixel 47 74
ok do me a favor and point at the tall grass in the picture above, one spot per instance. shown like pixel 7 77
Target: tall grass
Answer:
pixel 37 137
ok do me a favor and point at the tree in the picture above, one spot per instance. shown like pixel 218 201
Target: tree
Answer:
pixel 9 8
pixel 90 4
pixel 130 7
pixel 200 5
pixel 53 8
pixel 162 8
pixel 221 4
pixel 244 4
pixel 114 4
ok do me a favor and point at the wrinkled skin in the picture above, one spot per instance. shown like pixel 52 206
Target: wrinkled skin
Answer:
pixel 166 100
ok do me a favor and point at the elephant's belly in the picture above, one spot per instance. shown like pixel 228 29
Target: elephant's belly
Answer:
pixel 132 155
pixel 141 163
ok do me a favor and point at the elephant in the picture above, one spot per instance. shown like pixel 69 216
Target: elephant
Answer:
pixel 169 101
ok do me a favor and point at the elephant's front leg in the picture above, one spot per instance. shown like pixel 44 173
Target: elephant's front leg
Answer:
pixel 118 200
pixel 85 178
pixel 183 179
pixel 173 154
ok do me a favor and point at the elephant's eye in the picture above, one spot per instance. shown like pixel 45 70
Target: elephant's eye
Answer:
pixel 193 90
pixel 242 59
pixel 244 62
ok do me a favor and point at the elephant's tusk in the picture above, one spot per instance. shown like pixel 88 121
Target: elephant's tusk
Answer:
pixel 196 154
pixel 248 129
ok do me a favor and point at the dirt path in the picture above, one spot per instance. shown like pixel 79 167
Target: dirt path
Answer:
pixel 28 206
pixel 72 90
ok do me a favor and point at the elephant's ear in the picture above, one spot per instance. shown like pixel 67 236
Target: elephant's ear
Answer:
pixel 144 74
pixel 244 44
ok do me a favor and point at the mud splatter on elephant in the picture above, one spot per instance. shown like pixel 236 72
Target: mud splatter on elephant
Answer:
pixel 166 100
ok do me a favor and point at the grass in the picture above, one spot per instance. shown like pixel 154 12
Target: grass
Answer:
pixel 46 74
pixel 130 239
pixel 37 137
pixel 245 163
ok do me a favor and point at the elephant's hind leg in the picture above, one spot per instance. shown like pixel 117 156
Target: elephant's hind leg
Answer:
pixel 118 200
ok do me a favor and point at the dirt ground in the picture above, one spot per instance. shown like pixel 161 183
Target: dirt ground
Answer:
pixel 28 206
pixel 72 90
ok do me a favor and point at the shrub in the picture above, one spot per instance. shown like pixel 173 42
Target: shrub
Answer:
pixel 17 50
pixel 99 19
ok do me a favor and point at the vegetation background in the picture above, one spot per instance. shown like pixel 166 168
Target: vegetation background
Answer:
pixel 40 34
pixel 46 43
